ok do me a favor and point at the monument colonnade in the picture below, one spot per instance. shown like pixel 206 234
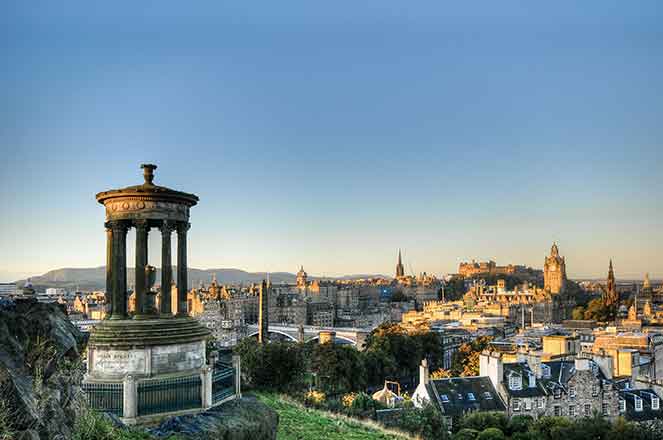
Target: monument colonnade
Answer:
pixel 116 266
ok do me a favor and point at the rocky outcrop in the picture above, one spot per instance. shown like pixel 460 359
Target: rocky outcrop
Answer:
pixel 39 361
pixel 247 419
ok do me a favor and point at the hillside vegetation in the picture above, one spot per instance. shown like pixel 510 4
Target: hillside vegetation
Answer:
pixel 297 422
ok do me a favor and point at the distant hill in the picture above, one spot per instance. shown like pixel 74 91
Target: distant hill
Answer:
pixel 94 278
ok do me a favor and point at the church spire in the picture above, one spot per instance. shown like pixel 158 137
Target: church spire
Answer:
pixel 399 266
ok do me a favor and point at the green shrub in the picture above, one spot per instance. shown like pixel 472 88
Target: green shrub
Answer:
pixel 483 420
pixel 466 434
pixel 519 423
pixel 491 434
pixel 425 422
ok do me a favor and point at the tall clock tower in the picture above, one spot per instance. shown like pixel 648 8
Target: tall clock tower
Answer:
pixel 554 272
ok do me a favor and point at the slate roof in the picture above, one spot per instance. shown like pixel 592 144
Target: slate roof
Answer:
pixel 647 412
pixel 560 374
pixel 459 395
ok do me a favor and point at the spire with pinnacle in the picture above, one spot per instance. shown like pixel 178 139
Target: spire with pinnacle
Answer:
pixel 400 271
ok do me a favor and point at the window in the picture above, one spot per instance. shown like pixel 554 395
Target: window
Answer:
pixel 557 410
pixel 444 398
pixel 588 409
pixel 557 393
pixel 545 371
pixel 541 403
pixel 487 395
pixel 638 404
pixel 622 405
pixel 516 405
pixel 528 404
pixel 595 390
pixel 655 403
pixel 604 409
pixel 572 392
pixel 572 410
pixel 470 396
pixel 515 383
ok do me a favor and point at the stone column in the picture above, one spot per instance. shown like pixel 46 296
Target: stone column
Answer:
pixel 166 268
pixel 206 375
pixel 109 266
pixel 142 229
pixel 119 270
pixel 130 400
pixel 182 281
pixel 237 365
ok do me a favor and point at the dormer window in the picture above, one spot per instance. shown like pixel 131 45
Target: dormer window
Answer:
pixel 622 405
pixel 445 398
pixel 545 371
pixel 487 395
pixel 655 403
pixel 515 382
pixel 460 396
pixel 572 392
pixel 557 393
pixel 638 404
pixel 470 396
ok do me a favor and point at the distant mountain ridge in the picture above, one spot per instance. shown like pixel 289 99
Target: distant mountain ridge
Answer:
pixel 94 278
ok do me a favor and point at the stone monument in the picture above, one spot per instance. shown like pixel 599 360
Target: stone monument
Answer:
pixel 154 362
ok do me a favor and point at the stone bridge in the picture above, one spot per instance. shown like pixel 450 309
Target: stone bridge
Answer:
pixel 342 335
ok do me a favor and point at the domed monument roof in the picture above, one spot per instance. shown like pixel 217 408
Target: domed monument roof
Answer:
pixel 147 201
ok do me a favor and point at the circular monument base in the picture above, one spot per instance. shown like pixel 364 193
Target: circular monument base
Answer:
pixel 145 348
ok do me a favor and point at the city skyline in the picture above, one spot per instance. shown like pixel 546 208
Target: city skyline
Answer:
pixel 330 136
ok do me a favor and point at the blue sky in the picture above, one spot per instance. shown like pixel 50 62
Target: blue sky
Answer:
pixel 330 134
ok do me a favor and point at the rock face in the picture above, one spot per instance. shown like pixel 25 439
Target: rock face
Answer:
pixel 249 419
pixel 36 341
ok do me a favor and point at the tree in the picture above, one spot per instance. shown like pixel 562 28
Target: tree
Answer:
pixel 401 352
pixel 465 361
pixel 519 423
pixel 441 373
pixel 491 434
pixel 578 313
pixel 340 368
pixel 454 289
pixel 427 423
pixel 484 420
pixel 599 311
pixel 466 434
pixel 277 365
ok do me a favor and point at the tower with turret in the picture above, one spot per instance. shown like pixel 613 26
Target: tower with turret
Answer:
pixel 611 296
pixel 302 278
pixel 554 271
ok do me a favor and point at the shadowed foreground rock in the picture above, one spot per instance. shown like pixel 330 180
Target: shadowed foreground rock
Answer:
pixel 36 341
pixel 247 420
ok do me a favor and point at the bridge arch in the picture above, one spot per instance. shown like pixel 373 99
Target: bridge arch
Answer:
pixel 292 338
pixel 343 338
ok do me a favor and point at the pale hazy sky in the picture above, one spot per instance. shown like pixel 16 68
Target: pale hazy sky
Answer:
pixel 330 134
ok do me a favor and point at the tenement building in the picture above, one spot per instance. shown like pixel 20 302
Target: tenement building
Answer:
pixel 573 388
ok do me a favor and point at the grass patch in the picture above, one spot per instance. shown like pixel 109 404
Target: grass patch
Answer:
pixel 297 422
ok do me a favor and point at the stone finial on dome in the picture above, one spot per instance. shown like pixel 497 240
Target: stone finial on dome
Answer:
pixel 148 172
